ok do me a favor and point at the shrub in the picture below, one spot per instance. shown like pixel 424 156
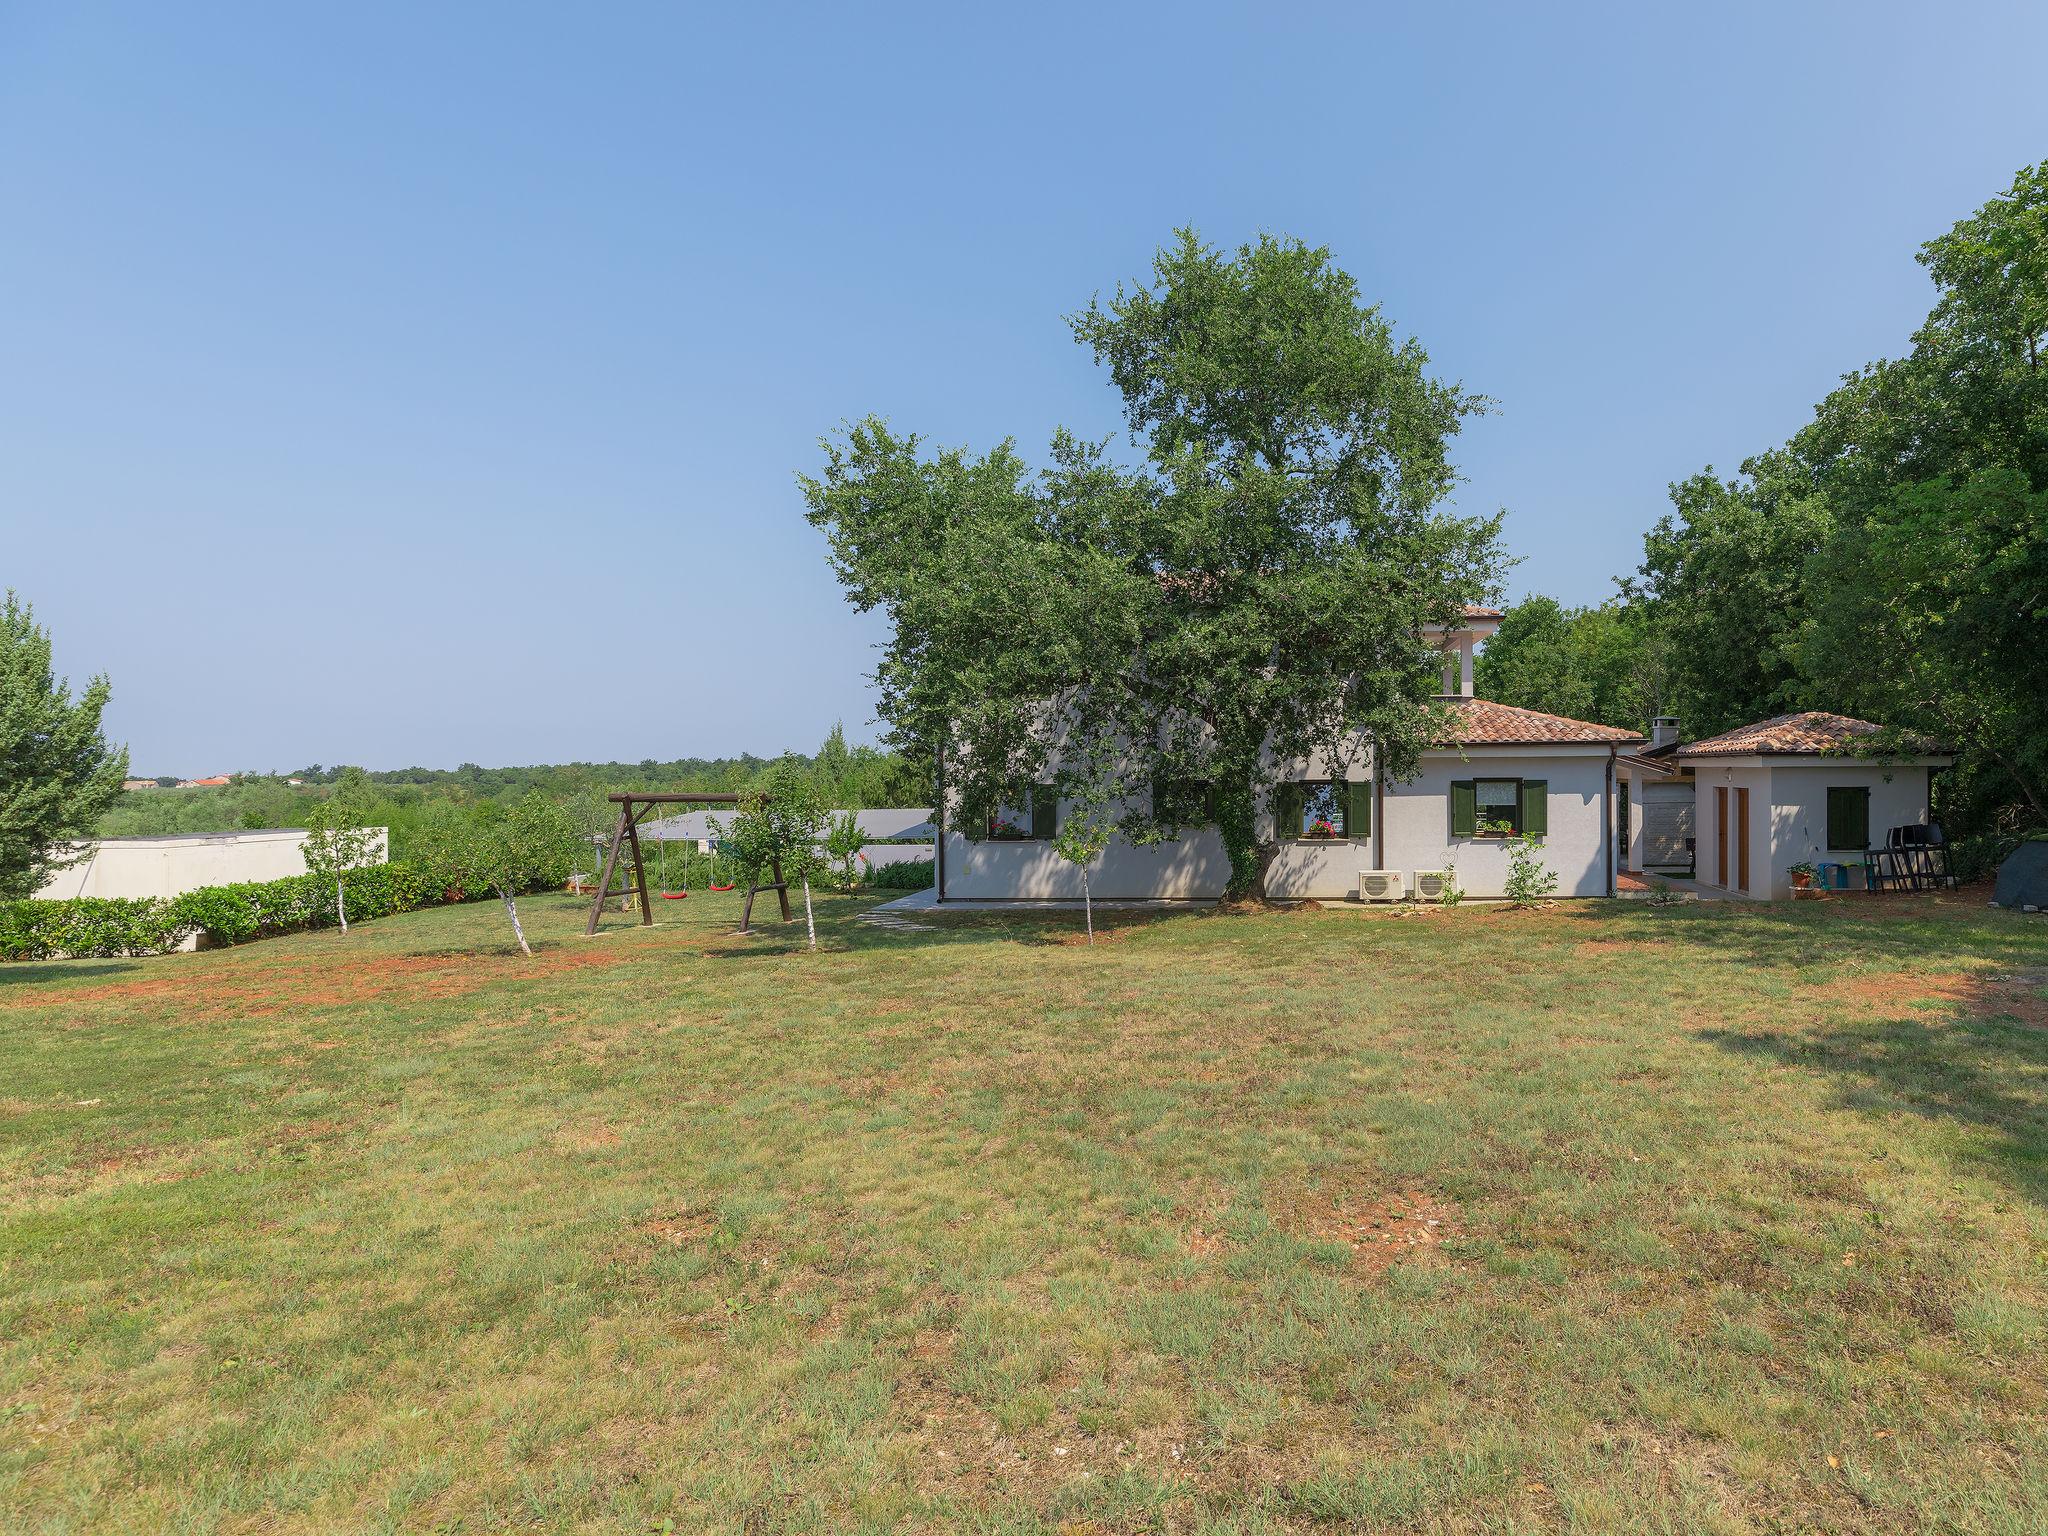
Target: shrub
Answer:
pixel 911 875
pixel 100 927
pixel 1530 880
pixel 89 927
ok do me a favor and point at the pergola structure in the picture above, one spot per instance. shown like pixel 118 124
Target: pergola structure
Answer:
pixel 633 809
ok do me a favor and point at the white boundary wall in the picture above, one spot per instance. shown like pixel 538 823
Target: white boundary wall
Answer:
pixel 170 866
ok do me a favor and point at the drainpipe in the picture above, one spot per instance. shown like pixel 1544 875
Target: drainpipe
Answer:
pixel 1607 819
pixel 1379 817
pixel 939 819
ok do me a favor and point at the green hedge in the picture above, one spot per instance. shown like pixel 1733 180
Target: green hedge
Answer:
pixel 223 914
pixel 911 875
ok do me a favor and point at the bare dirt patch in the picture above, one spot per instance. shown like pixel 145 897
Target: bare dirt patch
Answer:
pixel 1381 1229
pixel 1594 949
pixel 681 1229
pixel 261 991
pixel 1979 994
pixel 586 1138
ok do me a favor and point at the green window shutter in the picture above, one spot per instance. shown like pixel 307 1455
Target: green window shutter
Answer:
pixel 1848 819
pixel 1287 807
pixel 1045 811
pixel 1536 807
pixel 1358 809
pixel 1464 809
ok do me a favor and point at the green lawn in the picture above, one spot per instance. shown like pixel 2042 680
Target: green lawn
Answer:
pixel 1608 1217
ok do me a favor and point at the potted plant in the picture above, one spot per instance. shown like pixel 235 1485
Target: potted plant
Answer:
pixel 1803 875
pixel 1320 827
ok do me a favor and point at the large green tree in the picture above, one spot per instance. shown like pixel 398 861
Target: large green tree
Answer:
pixel 1594 663
pixel 1259 589
pixel 57 770
pixel 1891 559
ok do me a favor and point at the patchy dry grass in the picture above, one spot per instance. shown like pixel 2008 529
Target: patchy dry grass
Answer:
pixel 1601 1218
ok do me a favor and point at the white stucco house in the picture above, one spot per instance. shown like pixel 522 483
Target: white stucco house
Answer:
pixel 1501 771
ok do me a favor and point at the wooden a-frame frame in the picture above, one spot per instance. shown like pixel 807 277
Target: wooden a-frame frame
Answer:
pixel 633 809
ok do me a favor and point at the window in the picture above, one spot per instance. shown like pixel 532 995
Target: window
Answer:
pixel 1183 802
pixel 1499 803
pixel 1500 808
pixel 1035 821
pixel 1848 818
pixel 1320 810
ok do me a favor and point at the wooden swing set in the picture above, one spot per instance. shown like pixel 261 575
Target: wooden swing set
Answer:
pixel 633 809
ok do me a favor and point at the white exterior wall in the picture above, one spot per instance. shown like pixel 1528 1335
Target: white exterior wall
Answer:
pixel 1417 835
pixel 1194 867
pixel 1799 813
pixel 1417 818
pixel 1788 810
pixel 170 866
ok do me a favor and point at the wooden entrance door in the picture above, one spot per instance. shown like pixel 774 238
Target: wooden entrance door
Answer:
pixel 1742 839
pixel 1721 835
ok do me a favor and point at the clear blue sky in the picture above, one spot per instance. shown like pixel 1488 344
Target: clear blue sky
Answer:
pixel 347 347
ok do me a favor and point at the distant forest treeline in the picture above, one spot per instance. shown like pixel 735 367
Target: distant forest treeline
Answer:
pixel 410 800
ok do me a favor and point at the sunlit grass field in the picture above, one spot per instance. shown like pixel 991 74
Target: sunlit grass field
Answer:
pixel 1607 1217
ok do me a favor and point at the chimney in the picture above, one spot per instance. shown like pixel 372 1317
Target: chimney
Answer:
pixel 1664 731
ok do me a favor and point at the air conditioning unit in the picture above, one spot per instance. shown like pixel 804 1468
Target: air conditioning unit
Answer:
pixel 1429 884
pixel 1382 885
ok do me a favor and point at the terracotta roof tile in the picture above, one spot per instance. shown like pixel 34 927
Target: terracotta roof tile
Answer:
pixel 1483 723
pixel 1474 611
pixel 1809 731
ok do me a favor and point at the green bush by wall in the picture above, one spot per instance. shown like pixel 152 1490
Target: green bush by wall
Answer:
pixel 911 875
pixel 101 927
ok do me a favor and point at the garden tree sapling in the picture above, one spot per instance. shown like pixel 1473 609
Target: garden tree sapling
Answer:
pixel 844 841
pixel 1258 592
pixel 780 827
pixel 57 772
pixel 1084 830
pixel 337 842
pixel 1530 880
pixel 527 848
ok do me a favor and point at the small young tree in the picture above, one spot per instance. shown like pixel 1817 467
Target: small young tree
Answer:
pixel 336 843
pixel 780 826
pixel 1080 837
pixel 529 848
pixel 1530 880
pixel 57 773
pixel 843 843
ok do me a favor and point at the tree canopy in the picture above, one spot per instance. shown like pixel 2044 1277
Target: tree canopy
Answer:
pixel 1257 590
pixel 57 771
pixel 1888 560
pixel 1587 663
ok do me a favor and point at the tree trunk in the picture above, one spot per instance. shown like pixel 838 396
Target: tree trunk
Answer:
pixel 810 925
pixel 1237 822
pixel 341 905
pixel 1087 904
pixel 512 911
